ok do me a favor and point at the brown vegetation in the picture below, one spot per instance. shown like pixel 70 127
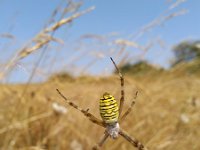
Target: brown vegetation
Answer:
pixel 166 114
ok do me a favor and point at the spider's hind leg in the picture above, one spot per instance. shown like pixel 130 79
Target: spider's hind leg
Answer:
pixel 132 140
pixel 101 142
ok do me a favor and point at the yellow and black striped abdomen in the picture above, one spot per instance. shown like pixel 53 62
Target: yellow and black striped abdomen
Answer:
pixel 109 109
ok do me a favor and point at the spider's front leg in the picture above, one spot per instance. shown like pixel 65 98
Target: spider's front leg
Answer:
pixel 122 87
pixel 90 116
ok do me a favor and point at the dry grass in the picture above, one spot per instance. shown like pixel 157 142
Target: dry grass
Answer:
pixel 43 38
pixel 166 114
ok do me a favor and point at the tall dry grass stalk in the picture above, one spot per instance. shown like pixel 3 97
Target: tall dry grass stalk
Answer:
pixel 41 39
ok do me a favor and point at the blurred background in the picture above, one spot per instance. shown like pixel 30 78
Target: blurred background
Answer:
pixel 66 44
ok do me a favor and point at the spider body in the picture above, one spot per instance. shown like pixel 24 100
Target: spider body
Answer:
pixel 109 112
pixel 109 109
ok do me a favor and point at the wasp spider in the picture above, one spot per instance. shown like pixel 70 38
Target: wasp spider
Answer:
pixel 111 115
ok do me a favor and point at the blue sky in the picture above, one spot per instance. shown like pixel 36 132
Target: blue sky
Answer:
pixel 25 18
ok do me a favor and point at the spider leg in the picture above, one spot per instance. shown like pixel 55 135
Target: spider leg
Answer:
pixel 101 142
pixel 130 107
pixel 122 87
pixel 132 140
pixel 90 116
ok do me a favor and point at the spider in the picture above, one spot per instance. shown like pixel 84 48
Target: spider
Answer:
pixel 111 115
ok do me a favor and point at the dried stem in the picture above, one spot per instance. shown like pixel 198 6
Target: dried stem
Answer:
pixel 40 40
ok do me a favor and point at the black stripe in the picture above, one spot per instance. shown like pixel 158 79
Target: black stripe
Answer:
pixel 114 115
pixel 108 119
pixel 108 104
pixel 113 110
pixel 103 108
pixel 110 98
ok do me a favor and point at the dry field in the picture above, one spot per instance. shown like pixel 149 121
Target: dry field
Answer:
pixel 166 115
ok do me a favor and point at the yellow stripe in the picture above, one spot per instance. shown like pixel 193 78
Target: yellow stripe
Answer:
pixel 108 107
pixel 107 104
pixel 110 110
